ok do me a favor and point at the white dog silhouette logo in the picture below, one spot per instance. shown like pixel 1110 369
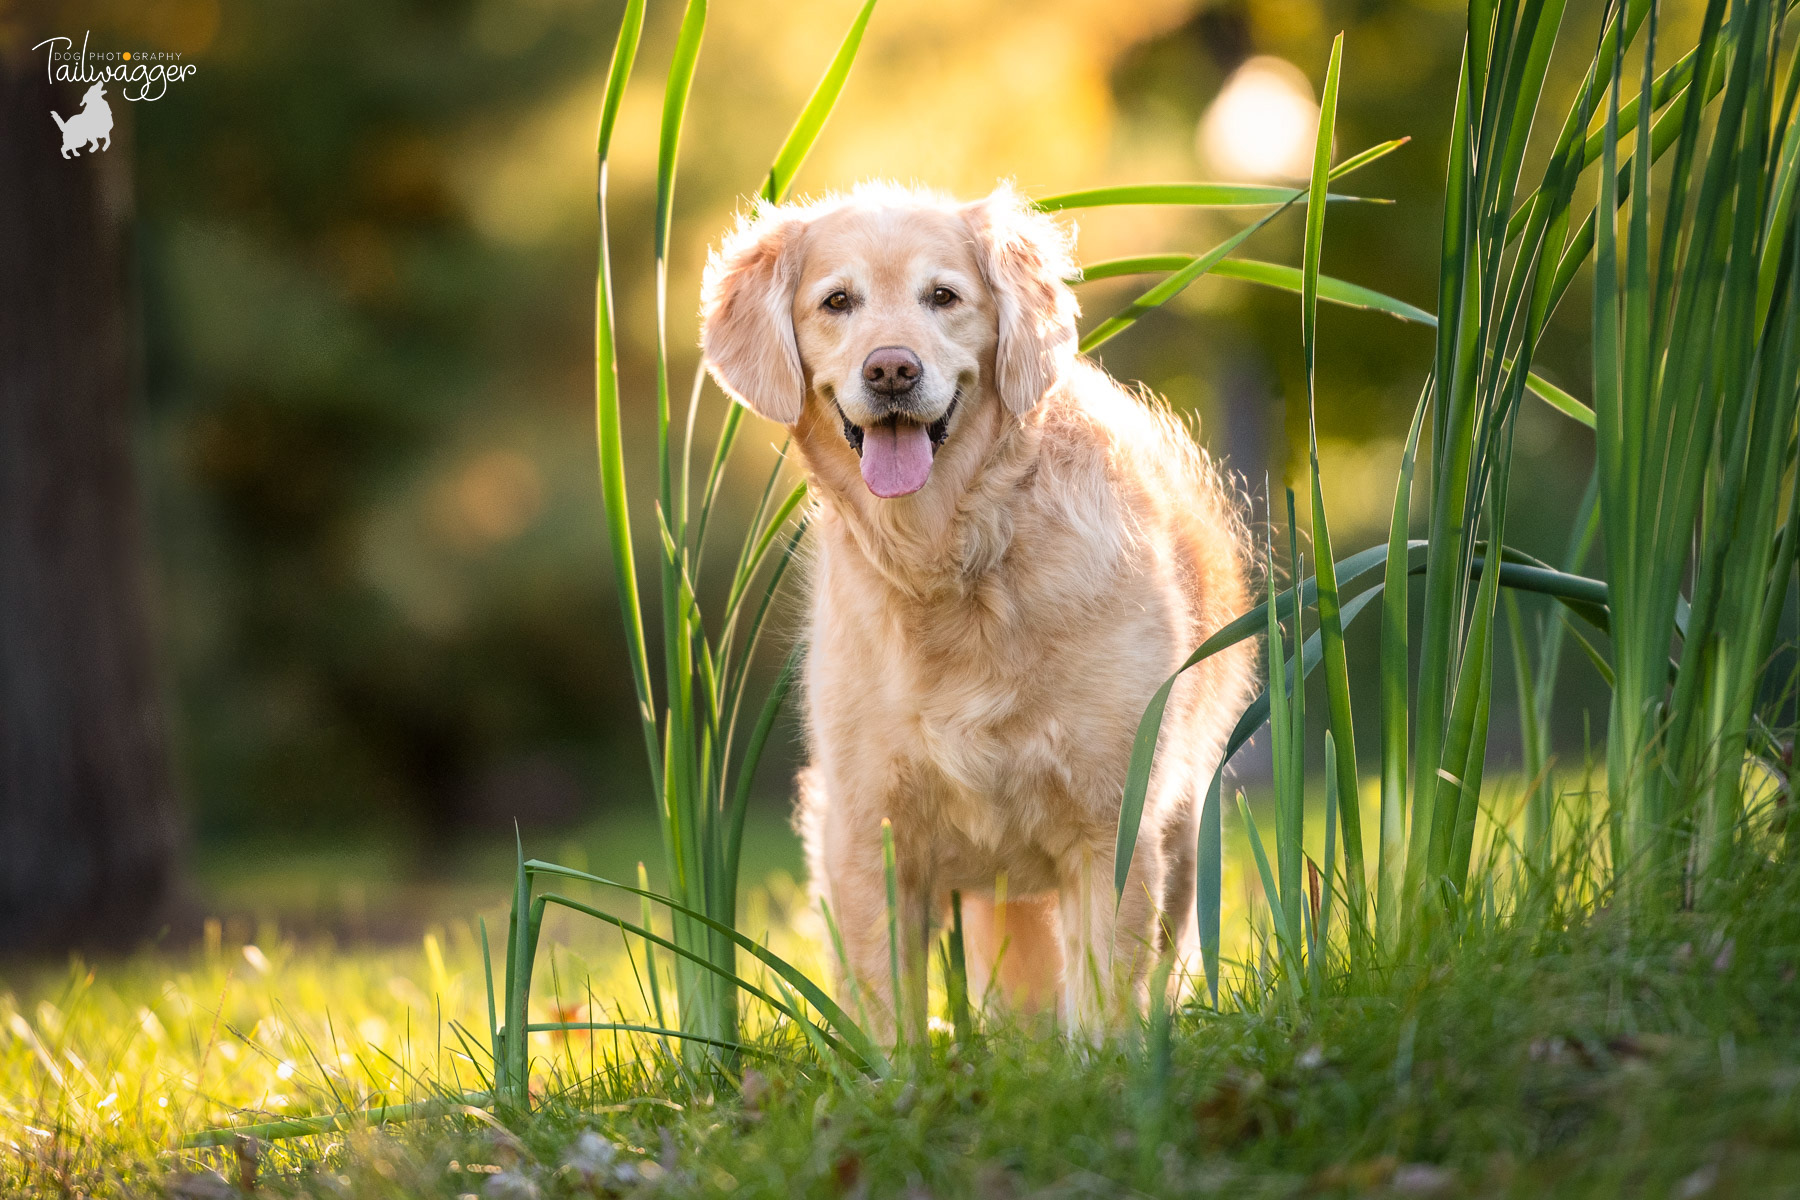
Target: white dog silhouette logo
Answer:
pixel 89 127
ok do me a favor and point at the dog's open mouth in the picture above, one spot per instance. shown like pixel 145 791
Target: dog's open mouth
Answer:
pixel 896 453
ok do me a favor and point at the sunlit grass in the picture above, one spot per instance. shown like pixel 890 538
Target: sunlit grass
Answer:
pixel 105 1068
pixel 1564 1051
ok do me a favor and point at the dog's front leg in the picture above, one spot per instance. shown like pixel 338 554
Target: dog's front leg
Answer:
pixel 1108 943
pixel 853 875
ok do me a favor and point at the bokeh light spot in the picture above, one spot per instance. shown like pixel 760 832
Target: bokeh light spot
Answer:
pixel 1263 123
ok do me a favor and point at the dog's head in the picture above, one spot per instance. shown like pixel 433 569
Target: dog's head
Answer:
pixel 894 311
pixel 94 95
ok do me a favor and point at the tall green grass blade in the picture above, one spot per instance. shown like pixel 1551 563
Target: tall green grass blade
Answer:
pixel 1532 749
pixel 1315 208
pixel 1395 665
pixel 487 973
pixel 890 872
pixel 788 160
pixel 675 100
pixel 1208 885
pixel 1287 742
pixel 818 108
pixel 1276 907
pixel 1284 900
pixel 606 386
pixel 956 976
pixel 1333 811
pixel 517 1078
pixel 732 700
pixel 1337 672
pixel 651 973
pixel 1466 740
pixel 759 740
pixel 678 629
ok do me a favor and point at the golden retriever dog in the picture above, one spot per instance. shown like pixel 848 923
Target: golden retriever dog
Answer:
pixel 1012 552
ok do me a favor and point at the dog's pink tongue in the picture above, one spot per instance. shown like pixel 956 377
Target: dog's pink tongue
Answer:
pixel 896 458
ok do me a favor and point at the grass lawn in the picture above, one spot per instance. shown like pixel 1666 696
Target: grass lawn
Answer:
pixel 1595 1059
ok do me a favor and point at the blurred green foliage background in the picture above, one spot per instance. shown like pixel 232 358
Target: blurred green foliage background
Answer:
pixel 367 248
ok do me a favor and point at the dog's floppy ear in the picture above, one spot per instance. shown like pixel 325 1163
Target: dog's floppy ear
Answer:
pixel 1025 256
pixel 746 314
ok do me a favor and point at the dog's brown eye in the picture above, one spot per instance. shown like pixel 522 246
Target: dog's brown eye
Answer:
pixel 838 301
pixel 942 297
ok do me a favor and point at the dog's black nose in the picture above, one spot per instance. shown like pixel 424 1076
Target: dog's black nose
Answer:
pixel 891 370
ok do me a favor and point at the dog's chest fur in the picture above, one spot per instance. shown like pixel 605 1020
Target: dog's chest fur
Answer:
pixel 985 709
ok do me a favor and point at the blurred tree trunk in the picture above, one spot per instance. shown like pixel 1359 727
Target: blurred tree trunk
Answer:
pixel 88 824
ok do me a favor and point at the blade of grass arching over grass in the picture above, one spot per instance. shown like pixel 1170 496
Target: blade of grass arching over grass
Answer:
pixel 1169 288
pixel 700 961
pixel 818 108
pixel 1251 270
pixel 1215 195
pixel 1395 666
pixel 1334 291
pixel 1337 670
pixel 376 1117
pixel 1185 195
pixel 1256 715
pixel 1143 745
pixel 1585 597
pixel 1178 282
pixel 841 1024
pixel 606 386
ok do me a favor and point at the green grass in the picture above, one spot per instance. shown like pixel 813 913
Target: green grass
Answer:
pixel 1594 1056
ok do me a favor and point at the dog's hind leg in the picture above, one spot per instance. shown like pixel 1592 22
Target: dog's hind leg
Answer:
pixel 1015 950
pixel 1108 941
